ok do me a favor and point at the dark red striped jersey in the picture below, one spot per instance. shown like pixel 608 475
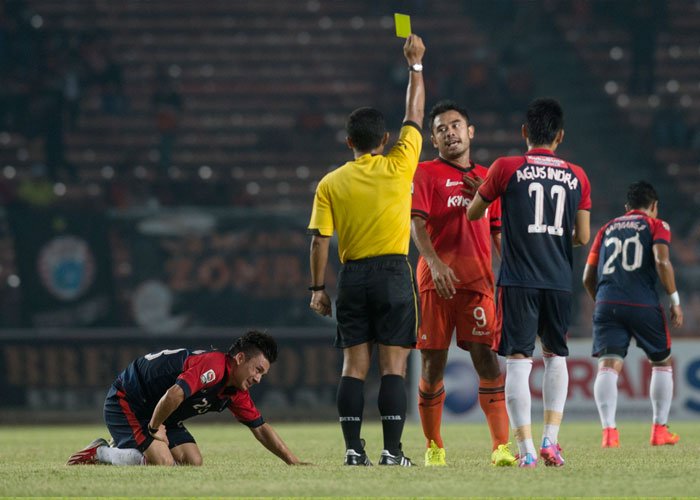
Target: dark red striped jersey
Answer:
pixel 202 375
pixel 462 244
pixel 623 254
pixel 540 195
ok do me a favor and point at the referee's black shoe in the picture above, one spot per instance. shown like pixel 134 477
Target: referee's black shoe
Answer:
pixel 400 459
pixel 354 457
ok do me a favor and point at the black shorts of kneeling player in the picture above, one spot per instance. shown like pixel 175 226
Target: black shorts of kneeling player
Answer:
pixel 128 424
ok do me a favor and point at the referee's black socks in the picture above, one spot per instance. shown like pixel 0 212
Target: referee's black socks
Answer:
pixel 392 408
pixel 351 403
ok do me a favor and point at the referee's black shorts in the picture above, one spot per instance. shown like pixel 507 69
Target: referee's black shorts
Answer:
pixel 377 302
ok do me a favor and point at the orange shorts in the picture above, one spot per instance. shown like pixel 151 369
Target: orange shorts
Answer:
pixel 472 314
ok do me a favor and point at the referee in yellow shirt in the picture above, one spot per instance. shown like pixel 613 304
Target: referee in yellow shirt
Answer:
pixel 368 202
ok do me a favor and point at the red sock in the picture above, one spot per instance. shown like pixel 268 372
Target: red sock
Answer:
pixel 492 398
pixel 431 399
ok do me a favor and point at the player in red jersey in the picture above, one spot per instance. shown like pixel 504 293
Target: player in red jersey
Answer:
pixel 545 204
pixel 629 255
pixel 455 280
pixel 149 400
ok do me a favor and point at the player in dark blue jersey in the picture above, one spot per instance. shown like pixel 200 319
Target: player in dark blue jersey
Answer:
pixel 545 203
pixel 147 403
pixel 627 256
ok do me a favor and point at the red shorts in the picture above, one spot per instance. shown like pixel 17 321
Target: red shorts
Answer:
pixel 472 314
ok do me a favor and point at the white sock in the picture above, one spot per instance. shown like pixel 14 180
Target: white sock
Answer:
pixel 551 432
pixel 605 392
pixel 555 387
pixel 527 446
pixel 117 456
pixel 661 392
pixel 519 399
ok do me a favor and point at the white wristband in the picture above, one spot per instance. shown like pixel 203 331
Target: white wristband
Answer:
pixel 675 298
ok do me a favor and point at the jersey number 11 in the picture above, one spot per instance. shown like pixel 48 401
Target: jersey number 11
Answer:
pixel 558 193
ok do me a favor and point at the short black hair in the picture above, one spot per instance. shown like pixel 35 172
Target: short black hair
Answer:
pixel 641 194
pixel 254 343
pixel 544 120
pixel 365 128
pixel 444 106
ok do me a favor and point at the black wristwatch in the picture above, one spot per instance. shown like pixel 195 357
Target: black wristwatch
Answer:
pixel 151 430
pixel 317 288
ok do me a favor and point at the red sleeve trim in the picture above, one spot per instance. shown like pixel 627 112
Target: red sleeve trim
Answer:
pixel 484 197
pixel 185 387
pixel 593 258
pixel 419 213
pixel 254 423
pixel 594 254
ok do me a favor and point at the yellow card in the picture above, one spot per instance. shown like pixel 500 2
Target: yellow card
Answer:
pixel 403 25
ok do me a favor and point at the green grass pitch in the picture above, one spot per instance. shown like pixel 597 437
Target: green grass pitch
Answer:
pixel 32 464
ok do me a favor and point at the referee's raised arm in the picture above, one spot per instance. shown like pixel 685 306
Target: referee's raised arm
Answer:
pixel 414 49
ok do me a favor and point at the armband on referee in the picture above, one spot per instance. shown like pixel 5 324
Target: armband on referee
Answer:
pixel 675 298
pixel 317 288
pixel 152 431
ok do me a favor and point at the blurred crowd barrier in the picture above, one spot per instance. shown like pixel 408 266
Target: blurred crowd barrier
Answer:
pixel 161 271
pixel 462 384
pixel 63 376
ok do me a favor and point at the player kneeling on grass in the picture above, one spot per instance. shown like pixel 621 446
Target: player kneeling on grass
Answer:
pixel 620 275
pixel 149 400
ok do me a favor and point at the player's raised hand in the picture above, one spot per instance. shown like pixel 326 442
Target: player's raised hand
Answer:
pixel 414 49
pixel 321 303
pixel 444 278
pixel 471 184
pixel 676 316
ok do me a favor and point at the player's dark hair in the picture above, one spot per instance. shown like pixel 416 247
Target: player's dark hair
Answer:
pixel 254 343
pixel 444 106
pixel 641 195
pixel 366 128
pixel 544 120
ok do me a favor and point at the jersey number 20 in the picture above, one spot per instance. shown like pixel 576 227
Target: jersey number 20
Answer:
pixel 622 247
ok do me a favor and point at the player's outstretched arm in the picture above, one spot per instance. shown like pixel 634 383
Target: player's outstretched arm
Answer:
pixel 413 50
pixel 590 280
pixel 664 269
pixel 273 442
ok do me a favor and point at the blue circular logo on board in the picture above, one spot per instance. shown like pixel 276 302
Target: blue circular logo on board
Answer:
pixel 66 267
pixel 461 386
